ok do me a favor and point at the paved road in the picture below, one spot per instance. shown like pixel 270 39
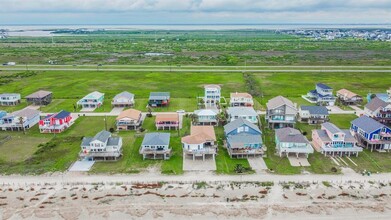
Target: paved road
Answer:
pixel 205 70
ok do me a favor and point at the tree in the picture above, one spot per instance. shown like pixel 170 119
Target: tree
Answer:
pixel 239 168
pixel 194 118
pixel 21 122
pixel 149 109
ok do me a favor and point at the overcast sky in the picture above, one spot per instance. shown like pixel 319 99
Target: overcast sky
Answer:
pixel 193 11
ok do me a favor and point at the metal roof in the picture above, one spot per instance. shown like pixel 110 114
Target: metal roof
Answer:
pixel 156 138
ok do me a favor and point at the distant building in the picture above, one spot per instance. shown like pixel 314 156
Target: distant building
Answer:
pixel 40 97
pixel 281 112
pixel 206 116
pixel 124 99
pixel 55 123
pixel 313 114
pixel 159 99
pixel 9 99
pixel 92 100
pixel 322 95
pixel 379 110
pixel 347 97
pixel 241 100
pixel 101 147
pixel 212 95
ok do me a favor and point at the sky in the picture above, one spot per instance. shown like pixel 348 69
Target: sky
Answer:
pixel 194 11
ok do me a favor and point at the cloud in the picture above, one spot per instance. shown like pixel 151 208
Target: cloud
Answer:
pixel 194 11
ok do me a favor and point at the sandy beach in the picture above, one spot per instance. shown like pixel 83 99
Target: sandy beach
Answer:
pixel 81 196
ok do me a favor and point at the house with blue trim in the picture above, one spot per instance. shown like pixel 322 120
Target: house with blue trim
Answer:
pixel 371 134
pixel 92 100
pixel 243 139
pixel 322 95
pixel 20 120
pixel 290 140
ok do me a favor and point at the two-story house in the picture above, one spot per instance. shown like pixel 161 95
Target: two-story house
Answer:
pixel 92 101
pixel 159 99
pixel 123 99
pixel 379 110
pixel 330 140
pixel 247 113
pixel 9 99
pixel 167 121
pixel 206 117
pixel 281 112
pixel 212 95
pixel 101 147
pixel 56 123
pixel 322 95
pixel 200 143
pixel 20 120
pixel 40 97
pixel 130 119
pixel 243 139
pixel 313 114
pixel 242 99
pixel 347 97
pixel 156 146
pixel 371 134
pixel 290 140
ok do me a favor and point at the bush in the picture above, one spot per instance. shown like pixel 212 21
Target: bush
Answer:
pixel 111 130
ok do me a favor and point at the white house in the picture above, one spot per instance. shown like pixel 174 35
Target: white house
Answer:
pixel 101 147
pixel 124 99
pixel 291 141
pixel 313 114
pixel 200 142
pixel 92 100
pixel 20 120
pixel 212 94
pixel 322 95
pixel 9 99
pixel 156 145
pixel 247 113
pixel 206 116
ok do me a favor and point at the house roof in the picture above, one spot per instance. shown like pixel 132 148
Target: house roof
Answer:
pixel 243 138
pixel 26 112
pixel 376 103
pixel 129 113
pixel 156 138
pixel 346 93
pixel 39 94
pixel 213 86
pixel 102 136
pixel 323 86
pixel 324 136
pixel 124 94
pixel 159 95
pixel 279 101
pixel 205 112
pixel 200 134
pixel 367 124
pixel 86 141
pixel 242 111
pixel 331 127
pixel 167 117
pixel 241 94
pixel 113 141
pixel 60 115
pixel 9 94
pixel 315 110
pixel 239 122
pixel 290 135
pixel 94 95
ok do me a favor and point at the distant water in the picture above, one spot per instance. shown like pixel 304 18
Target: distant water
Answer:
pixel 44 30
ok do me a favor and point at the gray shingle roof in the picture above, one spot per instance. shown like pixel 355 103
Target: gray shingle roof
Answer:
pixel 156 138
pixel 26 112
pixel 159 95
pixel 331 127
pixel 86 141
pixel 279 101
pixel 124 94
pixel 113 141
pixel 367 124
pixel 290 135
pixel 102 136
pixel 375 103
pixel 248 111
pixel 239 122
pixel 315 110
pixel 39 94
pixel 244 139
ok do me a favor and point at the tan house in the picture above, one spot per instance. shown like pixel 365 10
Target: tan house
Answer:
pixel 242 99
pixel 167 121
pixel 200 142
pixel 348 97
pixel 129 119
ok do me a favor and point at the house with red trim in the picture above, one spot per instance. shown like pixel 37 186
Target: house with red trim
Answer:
pixel 56 123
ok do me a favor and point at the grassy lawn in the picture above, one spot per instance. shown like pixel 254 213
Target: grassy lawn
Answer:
pixel 22 105
pixel 342 121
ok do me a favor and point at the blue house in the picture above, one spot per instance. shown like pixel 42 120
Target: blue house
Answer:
pixel 322 95
pixel 371 134
pixel 243 139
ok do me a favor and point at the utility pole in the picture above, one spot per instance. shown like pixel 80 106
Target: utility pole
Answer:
pixel 105 119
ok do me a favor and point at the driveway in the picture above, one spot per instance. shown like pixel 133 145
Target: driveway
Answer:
pixel 81 166
pixel 298 161
pixel 198 164
pixel 116 110
pixel 257 164
pixel 87 109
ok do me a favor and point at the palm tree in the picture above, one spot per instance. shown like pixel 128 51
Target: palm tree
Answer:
pixel 149 111
pixel 194 118
pixel 21 122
